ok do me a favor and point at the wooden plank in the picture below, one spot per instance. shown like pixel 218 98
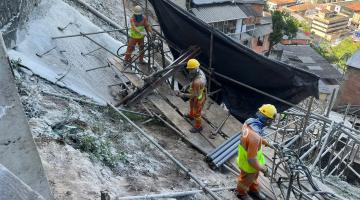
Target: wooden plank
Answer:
pixel 214 113
pixel 176 119
pixel 133 78
pixel 183 108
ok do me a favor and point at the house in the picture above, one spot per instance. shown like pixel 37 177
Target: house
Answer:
pixel 329 25
pixel 303 9
pixel 241 20
pixel 350 89
pixel 278 4
pixel 306 58
pixel 300 39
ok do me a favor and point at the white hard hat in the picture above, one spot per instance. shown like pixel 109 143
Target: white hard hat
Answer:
pixel 137 10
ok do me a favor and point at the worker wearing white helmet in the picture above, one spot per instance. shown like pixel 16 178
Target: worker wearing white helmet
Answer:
pixel 139 26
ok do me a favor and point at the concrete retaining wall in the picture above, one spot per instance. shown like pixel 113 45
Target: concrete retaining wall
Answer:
pixel 12 14
pixel 18 152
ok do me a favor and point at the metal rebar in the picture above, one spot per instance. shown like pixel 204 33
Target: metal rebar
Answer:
pixel 90 33
pixel 172 194
pixel 172 158
pixel 305 123
pixel 221 125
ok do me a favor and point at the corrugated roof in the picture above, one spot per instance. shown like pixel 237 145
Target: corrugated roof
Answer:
pixel 354 60
pixel 249 11
pixel 204 2
pixel 302 7
pixel 354 6
pixel 317 61
pixel 262 30
pixel 281 2
pixel 210 14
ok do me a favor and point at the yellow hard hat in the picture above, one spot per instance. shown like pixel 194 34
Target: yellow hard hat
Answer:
pixel 193 64
pixel 268 110
pixel 137 10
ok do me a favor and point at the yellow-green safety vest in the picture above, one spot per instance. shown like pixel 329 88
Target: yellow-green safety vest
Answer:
pixel 243 163
pixel 137 35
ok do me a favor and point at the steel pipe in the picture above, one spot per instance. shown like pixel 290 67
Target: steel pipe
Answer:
pixel 172 194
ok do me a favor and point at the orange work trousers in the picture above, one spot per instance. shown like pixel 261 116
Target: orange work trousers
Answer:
pixel 131 47
pixel 195 110
pixel 247 182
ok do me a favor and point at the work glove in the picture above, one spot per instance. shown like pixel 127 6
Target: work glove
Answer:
pixel 266 171
pixel 178 94
pixel 273 145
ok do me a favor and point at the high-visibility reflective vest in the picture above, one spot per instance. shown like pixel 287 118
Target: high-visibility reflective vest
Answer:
pixel 242 159
pixel 140 26
pixel 202 81
pixel 243 162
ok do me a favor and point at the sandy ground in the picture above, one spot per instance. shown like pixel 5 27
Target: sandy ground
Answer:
pixel 75 173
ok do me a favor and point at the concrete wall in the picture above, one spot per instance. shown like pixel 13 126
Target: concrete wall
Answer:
pixel 12 14
pixel 350 90
pixel 18 152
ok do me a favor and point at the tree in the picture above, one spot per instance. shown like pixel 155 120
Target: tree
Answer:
pixel 283 24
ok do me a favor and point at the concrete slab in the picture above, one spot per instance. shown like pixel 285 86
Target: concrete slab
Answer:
pixel 18 151
pixel 11 187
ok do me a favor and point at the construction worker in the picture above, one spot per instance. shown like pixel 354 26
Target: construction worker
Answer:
pixel 139 26
pixel 250 156
pixel 196 93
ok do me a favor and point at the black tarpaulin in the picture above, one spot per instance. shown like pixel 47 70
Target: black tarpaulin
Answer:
pixel 237 62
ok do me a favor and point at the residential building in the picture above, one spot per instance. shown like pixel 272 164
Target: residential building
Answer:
pixel 300 39
pixel 303 9
pixel 350 89
pixel 306 58
pixel 355 21
pixel 242 20
pixel 278 4
pixel 329 25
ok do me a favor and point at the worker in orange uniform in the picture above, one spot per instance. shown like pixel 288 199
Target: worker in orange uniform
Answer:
pixel 250 156
pixel 137 32
pixel 196 93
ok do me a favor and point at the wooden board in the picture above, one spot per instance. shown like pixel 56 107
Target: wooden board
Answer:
pixel 177 120
pixel 215 114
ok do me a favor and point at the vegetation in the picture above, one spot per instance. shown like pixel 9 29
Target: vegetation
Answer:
pixel 283 25
pixel 303 25
pixel 340 53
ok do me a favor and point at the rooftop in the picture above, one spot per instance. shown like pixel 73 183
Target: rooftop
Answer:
pixel 217 13
pixel 281 2
pixel 305 57
pixel 301 7
pixel 354 60
pixel 354 6
pixel 207 2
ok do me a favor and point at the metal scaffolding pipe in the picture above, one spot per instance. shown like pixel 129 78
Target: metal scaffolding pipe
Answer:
pixel 172 158
pixel 172 194
pixel 100 15
pixel 90 33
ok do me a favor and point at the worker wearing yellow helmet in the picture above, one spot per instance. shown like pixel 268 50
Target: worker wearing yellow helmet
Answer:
pixel 139 26
pixel 196 93
pixel 250 156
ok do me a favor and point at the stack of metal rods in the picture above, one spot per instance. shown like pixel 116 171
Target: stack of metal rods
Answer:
pixel 224 152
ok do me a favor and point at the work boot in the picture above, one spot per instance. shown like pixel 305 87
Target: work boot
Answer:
pixel 195 130
pixel 257 195
pixel 243 196
pixel 188 116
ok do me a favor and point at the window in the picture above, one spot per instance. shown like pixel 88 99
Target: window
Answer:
pixel 246 42
pixel 225 26
pixel 260 40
